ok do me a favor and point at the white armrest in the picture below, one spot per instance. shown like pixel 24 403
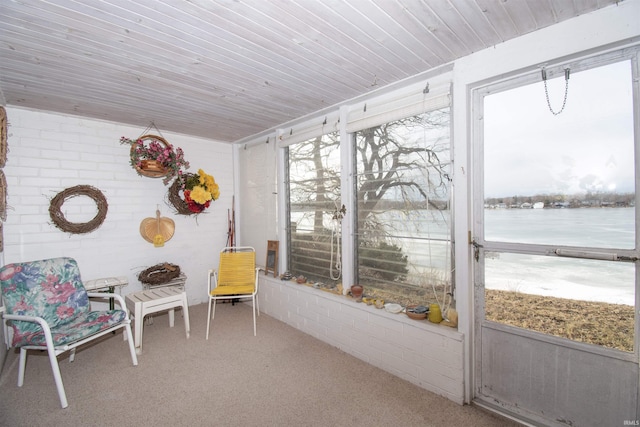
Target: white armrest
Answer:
pixel 211 272
pixel 108 295
pixel 32 319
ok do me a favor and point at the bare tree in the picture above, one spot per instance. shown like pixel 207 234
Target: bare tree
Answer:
pixel 397 169
pixel 388 162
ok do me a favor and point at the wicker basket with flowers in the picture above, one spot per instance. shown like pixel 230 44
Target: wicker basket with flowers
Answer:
pixel 152 156
pixel 193 193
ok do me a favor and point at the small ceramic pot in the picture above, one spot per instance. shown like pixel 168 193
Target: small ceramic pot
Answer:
pixel 356 291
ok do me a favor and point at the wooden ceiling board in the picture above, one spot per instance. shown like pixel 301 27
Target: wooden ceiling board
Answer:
pixel 165 76
pixel 473 16
pixel 227 69
pixel 323 34
pixel 542 13
pixel 309 42
pixel 453 19
pixel 499 18
pixel 432 50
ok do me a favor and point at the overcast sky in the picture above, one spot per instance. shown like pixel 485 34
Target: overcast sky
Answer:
pixel 588 147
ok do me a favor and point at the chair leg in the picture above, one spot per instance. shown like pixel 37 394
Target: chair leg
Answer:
pixel 21 366
pixel 172 317
pixel 53 360
pixel 132 346
pixel 72 355
pixel 253 308
pixel 208 318
pixel 138 317
pixel 185 314
pixel 58 378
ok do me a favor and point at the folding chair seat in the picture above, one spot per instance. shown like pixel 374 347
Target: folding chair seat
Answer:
pixel 235 279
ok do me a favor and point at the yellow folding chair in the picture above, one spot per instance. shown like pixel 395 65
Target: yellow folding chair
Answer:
pixel 236 278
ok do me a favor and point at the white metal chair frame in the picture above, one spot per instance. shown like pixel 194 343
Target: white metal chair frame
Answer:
pixel 54 351
pixel 214 298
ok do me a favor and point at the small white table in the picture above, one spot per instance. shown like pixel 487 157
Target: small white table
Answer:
pixel 107 283
pixel 152 301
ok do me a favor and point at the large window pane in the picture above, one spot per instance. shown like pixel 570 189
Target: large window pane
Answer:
pixel 563 179
pixel 403 228
pixel 563 297
pixel 314 199
pixel 580 158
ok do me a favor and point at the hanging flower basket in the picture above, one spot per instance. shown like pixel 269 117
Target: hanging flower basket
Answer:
pixel 3 136
pixel 152 156
pixel 191 194
pixel 152 168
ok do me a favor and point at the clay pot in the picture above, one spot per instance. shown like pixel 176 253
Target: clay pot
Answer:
pixel 356 291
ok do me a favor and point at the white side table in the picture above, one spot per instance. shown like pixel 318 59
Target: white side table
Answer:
pixel 106 283
pixel 152 301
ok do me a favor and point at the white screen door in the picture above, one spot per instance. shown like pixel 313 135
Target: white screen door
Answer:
pixel 556 243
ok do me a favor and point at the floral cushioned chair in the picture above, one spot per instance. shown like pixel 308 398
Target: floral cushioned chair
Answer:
pixel 47 308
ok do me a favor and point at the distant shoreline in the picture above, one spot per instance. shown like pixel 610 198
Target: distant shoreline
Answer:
pixel 561 207
pixel 560 201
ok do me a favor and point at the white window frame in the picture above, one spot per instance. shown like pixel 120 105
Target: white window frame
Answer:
pixel 408 100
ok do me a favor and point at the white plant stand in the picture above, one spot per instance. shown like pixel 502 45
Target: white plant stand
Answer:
pixel 151 301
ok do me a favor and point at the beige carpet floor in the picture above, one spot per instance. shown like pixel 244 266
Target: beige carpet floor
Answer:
pixel 282 377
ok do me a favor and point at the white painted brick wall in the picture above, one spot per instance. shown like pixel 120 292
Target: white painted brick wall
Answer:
pixel 50 152
pixel 428 355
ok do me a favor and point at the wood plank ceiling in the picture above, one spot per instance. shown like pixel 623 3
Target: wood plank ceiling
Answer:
pixel 228 69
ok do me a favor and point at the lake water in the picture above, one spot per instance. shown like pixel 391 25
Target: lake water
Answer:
pixel 592 227
pixel 590 280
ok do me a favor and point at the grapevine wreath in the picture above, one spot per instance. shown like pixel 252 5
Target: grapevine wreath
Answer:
pixel 83 227
pixel 159 274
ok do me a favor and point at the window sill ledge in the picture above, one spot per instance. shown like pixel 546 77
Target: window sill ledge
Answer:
pixel 350 304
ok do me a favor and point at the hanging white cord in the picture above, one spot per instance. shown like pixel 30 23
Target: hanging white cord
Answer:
pixel 447 279
pixel 335 234
pixel 338 266
pixel 448 273
pixel 424 142
pixel 433 286
pixel 446 303
pixel 443 305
